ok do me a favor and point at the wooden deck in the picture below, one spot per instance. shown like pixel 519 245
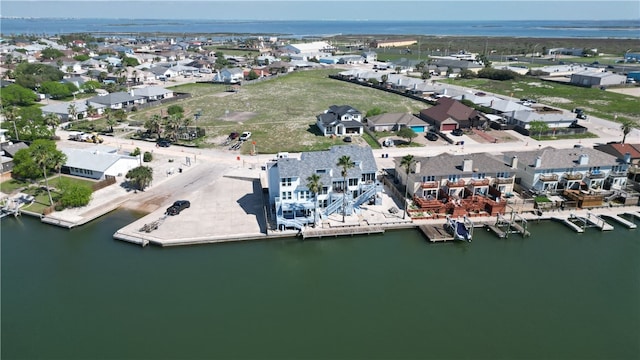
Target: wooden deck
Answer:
pixel 435 233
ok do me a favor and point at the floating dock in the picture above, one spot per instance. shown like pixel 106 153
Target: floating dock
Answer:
pixel 621 220
pixel 436 233
pixel 569 223
pixel 597 221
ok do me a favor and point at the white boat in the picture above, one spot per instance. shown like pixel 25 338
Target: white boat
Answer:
pixel 460 229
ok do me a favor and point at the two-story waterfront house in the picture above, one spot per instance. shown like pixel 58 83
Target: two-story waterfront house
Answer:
pixel 582 170
pixel 458 184
pixel 340 120
pixel 292 203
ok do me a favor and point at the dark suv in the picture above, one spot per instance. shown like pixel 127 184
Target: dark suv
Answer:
pixel 177 207
pixel 432 136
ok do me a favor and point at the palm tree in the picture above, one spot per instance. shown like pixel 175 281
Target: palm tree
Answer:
pixel 73 112
pixel 12 115
pixel 47 159
pixel 345 163
pixel 173 124
pixel 626 125
pixel 91 111
pixel 315 186
pixel 52 120
pixel 154 125
pixel 406 162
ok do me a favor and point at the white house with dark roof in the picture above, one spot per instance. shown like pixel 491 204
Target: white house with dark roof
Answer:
pixel 153 93
pixel 290 197
pixel 229 75
pixel 553 170
pixel 117 100
pixel 97 162
pixel 61 109
pixel 340 120
pixel 554 119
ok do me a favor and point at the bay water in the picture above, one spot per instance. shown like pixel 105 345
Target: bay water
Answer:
pixel 620 29
pixel 80 294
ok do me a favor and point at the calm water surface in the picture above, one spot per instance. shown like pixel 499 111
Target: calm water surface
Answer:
pixel 80 294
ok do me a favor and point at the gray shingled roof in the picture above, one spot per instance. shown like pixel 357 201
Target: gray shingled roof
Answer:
pixel 114 98
pixel 447 164
pixel 562 158
pixel 327 160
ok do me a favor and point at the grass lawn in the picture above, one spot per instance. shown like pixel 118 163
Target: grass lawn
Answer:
pixel 281 112
pixel 602 104
pixel 12 185
pixel 38 190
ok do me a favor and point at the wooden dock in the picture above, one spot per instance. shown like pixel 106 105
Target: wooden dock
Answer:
pixel 436 233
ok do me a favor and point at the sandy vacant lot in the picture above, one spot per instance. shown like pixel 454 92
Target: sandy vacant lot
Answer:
pixel 634 91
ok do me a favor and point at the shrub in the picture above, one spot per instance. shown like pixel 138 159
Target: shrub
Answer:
pixel 147 157
pixel 135 152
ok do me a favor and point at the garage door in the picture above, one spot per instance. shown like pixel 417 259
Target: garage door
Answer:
pixel 418 129
pixel 448 127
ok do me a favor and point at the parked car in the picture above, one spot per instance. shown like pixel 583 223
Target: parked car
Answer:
pixel 348 139
pixel 582 116
pixel 234 135
pixel 431 136
pixel 245 136
pixel 457 132
pixel 177 207
pixel 164 143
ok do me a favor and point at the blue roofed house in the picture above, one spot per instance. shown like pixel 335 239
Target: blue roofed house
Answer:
pixel 340 120
pixel 97 162
pixel 291 201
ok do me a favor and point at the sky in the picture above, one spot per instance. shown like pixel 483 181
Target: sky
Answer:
pixel 327 10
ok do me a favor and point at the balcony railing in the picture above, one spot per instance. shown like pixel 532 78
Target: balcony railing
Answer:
pixel 429 185
pixel 549 177
pixel 508 180
pixel 480 182
pixel 595 175
pixel 573 176
pixel 618 174
pixel 459 183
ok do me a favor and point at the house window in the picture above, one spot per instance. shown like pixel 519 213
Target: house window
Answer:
pixel 303 195
pixel 286 195
pixel 595 169
pixel 285 181
pixel 454 178
pixel 478 176
pixel 353 182
pixel 428 178
pixel 368 177
pixel 321 171
pixel 503 175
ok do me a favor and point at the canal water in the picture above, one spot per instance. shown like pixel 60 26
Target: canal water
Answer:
pixel 79 294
